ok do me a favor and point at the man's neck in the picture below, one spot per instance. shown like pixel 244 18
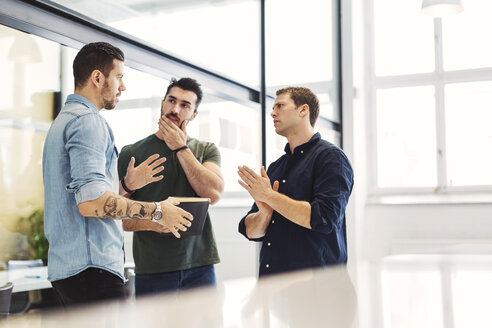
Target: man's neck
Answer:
pixel 159 135
pixel 86 93
pixel 300 137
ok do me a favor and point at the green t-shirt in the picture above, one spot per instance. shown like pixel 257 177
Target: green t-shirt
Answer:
pixel 155 252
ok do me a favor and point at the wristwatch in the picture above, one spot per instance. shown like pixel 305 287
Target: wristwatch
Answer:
pixel 157 215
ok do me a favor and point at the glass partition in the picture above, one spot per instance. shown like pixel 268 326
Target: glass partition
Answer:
pixel 37 77
pixel 217 35
pixel 30 87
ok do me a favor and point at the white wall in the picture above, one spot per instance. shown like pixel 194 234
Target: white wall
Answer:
pixel 445 228
pixel 237 254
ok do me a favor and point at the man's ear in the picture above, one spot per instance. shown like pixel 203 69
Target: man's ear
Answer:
pixel 97 78
pixel 193 116
pixel 304 110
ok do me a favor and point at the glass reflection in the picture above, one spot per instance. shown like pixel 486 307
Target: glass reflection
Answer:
pixel 27 106
pixel 218 35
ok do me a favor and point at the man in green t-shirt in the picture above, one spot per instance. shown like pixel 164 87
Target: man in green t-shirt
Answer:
pixel 192 169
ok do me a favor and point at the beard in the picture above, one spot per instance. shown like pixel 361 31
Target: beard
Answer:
pixel 109 102
pixel 109 105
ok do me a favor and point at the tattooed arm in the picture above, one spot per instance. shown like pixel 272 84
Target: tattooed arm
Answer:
pixel 116 207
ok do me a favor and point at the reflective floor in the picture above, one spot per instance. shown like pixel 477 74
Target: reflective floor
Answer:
pixel 395 291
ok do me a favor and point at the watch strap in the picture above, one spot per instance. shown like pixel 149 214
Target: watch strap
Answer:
pixel 177 150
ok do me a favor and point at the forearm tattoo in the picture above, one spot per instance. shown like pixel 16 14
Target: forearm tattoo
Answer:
pixel 122 208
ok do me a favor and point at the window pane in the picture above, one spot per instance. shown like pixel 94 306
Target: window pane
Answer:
pixel 469 133
pixel 30 80
pixel 327 132
pixel 236 130
pixel 295 54
pixel 472 284
pixel 233 127
pixel 406 137
pixel 139 106
pixel 469 30
pixel 223 36
pixel 404 38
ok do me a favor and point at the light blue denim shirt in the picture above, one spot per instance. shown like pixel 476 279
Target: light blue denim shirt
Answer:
pixel 80 164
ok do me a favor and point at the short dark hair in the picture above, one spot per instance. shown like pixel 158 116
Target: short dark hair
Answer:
pixel 188 84
pixel 94 56
pixel 302 96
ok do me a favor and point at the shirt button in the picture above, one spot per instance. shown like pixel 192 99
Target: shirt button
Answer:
pixel 302 151
pixel 269 244
pixel 273 221
pixel 268 265
pixel 283 181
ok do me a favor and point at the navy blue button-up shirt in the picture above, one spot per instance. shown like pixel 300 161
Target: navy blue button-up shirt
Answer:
pixel 317 172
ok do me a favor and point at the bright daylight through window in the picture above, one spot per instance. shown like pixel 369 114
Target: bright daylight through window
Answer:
pixel 432 104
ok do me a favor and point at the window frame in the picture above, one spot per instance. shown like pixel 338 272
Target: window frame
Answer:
pixel 438 79
pixel 69 28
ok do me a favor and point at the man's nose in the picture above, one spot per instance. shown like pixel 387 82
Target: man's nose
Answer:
pixel 175 109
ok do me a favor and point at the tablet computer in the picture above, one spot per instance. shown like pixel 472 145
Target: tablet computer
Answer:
pixel 198 207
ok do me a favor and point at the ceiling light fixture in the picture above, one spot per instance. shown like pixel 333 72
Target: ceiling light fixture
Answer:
pixel 441 8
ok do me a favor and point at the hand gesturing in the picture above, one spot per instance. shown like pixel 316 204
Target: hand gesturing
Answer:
pixel 142 175
pixel 257 186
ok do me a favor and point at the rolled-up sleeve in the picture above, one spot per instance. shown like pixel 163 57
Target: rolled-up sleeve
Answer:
pixel 332 185
pixel 242 224
pixel 212 154
pixel 85 143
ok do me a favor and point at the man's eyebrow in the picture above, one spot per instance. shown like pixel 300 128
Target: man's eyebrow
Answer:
pixel 185 101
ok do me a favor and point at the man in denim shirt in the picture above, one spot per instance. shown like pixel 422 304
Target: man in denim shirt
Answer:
pixel 82 204
pixel 301 218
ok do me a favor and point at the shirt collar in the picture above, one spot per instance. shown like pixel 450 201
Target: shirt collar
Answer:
pixel 314 139
pixel 82 100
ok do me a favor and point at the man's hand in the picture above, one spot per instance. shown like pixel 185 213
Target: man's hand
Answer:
pixel 174 218
pixel 258 187
pixel 263 207
pixel 142 175
pixel 174 136
pixel 159 228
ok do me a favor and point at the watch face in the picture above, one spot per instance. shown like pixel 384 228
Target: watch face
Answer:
pixel 158 213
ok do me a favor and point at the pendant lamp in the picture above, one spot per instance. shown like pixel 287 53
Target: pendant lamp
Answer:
pixel 441 8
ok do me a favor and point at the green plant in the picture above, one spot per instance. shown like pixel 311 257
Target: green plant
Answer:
pixel 35 234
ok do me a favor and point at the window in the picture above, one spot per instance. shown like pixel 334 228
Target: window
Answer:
pixel 297 56
pixel 26 110
pixel 431 99
pixel 233 127
pixel 217 35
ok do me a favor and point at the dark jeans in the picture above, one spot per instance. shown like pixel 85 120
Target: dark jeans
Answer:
pixel 92 284
pixel 174 280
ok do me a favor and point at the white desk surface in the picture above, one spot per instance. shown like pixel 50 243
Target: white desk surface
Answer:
pixel 26 279
pixel 32 278
pixel 402 291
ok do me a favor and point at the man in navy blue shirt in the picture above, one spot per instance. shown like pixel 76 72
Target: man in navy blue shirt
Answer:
pixel 301 217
